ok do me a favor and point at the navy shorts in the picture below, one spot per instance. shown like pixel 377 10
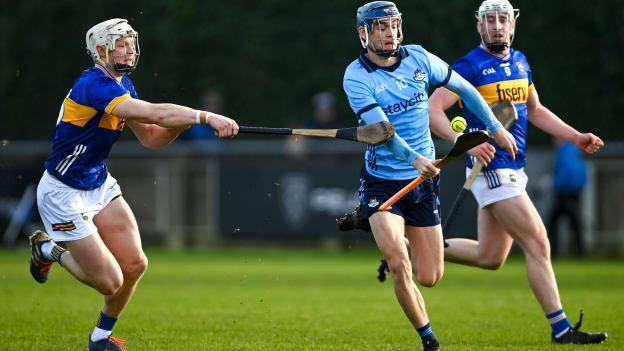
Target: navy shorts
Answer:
pixel 419 208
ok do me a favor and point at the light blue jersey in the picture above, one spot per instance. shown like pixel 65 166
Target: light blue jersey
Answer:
pixel 401 91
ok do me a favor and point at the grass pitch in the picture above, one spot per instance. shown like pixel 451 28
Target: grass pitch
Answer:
pixel 282 299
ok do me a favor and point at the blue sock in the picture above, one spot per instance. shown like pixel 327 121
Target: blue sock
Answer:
pixel 426 333
pixel 104 327
pixel 559 323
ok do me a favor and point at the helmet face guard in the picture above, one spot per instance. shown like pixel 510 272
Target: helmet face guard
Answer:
pixel 496 23
pixel 380 16
pixel 107 34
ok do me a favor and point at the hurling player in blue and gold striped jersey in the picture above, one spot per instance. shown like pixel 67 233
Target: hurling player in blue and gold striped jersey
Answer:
pixel 506 213
pixel 80 203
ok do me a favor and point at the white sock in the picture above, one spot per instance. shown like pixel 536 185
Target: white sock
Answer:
pixel 46 249
pixel 99 334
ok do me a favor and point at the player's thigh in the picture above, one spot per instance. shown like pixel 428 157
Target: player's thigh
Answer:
pixel 427 253
pixel 521 220
pixel 494 241
pixel 119 231
pixel 388 232
pixel 94 258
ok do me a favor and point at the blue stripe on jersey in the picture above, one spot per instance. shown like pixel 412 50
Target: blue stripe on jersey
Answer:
pixel 401 91
pixel 366 109
pixel 499 79
pixel 86 130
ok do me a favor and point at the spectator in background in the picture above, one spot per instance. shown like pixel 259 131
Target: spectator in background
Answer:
pixel 323 117
pixel 211 100
pixel 570 176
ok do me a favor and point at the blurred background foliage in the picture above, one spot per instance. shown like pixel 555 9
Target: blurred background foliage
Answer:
pixel 268 57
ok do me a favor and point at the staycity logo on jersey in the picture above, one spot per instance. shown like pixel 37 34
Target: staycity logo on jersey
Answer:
pixel 405 105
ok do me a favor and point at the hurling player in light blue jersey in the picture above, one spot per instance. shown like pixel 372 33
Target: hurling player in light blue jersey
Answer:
pixel 80 203
pixel 506 213
pixel 391 82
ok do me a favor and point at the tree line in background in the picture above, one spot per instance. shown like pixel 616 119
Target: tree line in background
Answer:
pixel 268 57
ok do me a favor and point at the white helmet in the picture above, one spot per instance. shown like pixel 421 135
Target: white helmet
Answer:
pixel 496 6
pixel 105 34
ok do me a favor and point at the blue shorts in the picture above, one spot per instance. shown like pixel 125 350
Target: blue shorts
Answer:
pixel 419 208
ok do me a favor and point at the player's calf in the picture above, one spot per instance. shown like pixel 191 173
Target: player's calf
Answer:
pixel 44 252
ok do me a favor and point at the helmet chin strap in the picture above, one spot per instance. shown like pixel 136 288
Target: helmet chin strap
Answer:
pixel 498 48
pixel 121 68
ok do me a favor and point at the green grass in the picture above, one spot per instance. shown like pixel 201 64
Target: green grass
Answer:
pixel 297 299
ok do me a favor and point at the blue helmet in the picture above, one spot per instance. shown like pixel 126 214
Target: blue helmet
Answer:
pixel 374 11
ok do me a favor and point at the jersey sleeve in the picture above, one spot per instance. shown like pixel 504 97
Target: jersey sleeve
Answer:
pixel 360 95
pixel 439 71
pixel 527 67
pixel 104 94
pixel 464 68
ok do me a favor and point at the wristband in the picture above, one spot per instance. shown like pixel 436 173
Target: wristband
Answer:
pixel 197 121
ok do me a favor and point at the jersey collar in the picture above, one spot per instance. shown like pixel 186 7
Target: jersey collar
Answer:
pixel 371 67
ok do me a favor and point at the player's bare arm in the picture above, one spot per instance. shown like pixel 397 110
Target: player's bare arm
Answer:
pixel 153 136
pixel 440 101
pixel 174 116
pixel 544 119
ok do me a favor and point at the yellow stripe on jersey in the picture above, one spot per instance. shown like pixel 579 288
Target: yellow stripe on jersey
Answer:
pixel 77 114
pixel 111 122
pixel 516 91
pixel 111 105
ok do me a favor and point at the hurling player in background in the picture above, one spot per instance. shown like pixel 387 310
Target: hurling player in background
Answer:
pixel 506 212
pixel 391 82
pixel 80 203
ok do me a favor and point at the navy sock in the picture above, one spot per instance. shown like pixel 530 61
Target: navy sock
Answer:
pixel 426 333
pixel 104 327
pixel 559 323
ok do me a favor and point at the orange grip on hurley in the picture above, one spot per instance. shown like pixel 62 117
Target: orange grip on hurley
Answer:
pixel 406 189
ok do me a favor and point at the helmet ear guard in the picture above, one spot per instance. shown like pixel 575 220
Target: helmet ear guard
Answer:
pixel 105 34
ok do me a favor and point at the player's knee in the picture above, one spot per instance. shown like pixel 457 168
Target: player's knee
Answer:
pixel 135 269
pixel 540 247
pixel 109 285
pixel 492 263
pixel 400 268
pixel 429 279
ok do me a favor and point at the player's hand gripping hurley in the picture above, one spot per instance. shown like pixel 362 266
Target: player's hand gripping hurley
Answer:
pixel 373 134
pixel 506 113
pixel 464 143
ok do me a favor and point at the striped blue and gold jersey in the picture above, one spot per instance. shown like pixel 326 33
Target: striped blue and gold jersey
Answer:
pixel 402 92
pixel 499 79
pixel 86 129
